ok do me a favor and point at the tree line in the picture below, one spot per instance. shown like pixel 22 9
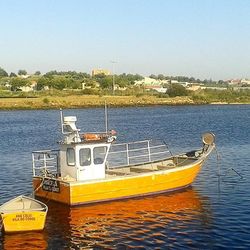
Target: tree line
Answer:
pixel 81 75
pixel 78 80
pixel 187 79
pixel 66 80
pixel 102 85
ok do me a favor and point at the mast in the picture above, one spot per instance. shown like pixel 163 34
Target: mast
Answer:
pixel 61 115
pixel 106 117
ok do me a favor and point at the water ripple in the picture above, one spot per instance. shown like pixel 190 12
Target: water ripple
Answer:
pixel 214 214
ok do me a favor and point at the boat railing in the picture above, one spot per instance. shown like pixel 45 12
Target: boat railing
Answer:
pixel 140 152
pixel 45 163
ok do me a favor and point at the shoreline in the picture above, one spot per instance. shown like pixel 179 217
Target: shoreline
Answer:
pixel 88 101
pixel 93 101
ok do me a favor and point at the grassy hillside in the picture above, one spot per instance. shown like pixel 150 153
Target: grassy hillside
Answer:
pixel 76 99
pixel 84 101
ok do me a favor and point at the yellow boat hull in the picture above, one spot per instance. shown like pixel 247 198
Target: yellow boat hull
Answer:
pixel 74 193
pixel 23 221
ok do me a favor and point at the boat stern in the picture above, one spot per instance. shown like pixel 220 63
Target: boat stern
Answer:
pixel 52 189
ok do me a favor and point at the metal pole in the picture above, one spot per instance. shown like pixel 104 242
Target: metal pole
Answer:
pixel 61 114
pixel 127 149
pixel 106 117
pixel 113 82
pixel 149 153
pixel 33 164
pixel 45 165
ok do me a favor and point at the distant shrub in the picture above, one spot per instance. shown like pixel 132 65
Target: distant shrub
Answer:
pixel 139 95
pixel 46 100
pixel 90 92
pixel 162 95
pixel 176 89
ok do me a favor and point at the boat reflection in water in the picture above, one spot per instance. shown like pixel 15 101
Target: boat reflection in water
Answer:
pixel 25 240
pixel 156 221
pixel 132 223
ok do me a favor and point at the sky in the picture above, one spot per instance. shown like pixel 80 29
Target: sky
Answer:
pixel 205 39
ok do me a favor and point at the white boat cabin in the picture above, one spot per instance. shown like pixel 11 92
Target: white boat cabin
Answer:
pixel 80 156
pixel 83 161
pixel 83 157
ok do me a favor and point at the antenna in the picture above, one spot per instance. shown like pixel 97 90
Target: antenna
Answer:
pixel 61 114
pixel 106 117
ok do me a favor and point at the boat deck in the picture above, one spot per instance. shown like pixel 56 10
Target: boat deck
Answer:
pixel 150 167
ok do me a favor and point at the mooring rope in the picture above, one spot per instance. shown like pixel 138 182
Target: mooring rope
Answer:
pixel 48 199
pixel 237 173
pixel 1 224
pixel 219 174
pixel 233 170
pixel 37 188
pixel 218 158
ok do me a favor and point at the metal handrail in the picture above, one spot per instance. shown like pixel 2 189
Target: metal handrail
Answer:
pixel 41 162
pixel 130 143
pixel 136 155
pixel 46 151
pixel 134 150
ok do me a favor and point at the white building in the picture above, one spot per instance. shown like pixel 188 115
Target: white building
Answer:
pixel 152 84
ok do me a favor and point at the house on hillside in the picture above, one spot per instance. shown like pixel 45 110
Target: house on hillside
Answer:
pixel 152 84
pixel 100 72
pixel 90 85
pixel 245 81
pixel 23 76
pixel 239 82
pixel 193 87
pixel 31 87
pixel 234 82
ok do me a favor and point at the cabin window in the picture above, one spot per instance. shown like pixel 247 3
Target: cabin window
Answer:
pixel 85 156
pixel 70 156
pixel 99 154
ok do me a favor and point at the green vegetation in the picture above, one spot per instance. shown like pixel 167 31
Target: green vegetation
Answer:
pixel 3 73
pixel 221 96
pixel 209 82
pixel 84 101
pixel 46 100
pixel 22 72
pixel 76 89
pixel 176 90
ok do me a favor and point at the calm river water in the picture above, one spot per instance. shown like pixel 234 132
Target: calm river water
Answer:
pixel 213 214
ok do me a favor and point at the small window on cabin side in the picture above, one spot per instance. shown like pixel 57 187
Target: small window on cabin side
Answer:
pixel 85 156
pixel 99 154
pixel 70 156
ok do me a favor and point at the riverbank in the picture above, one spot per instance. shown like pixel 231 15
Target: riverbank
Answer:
pixel 88 101
pixel 85 101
